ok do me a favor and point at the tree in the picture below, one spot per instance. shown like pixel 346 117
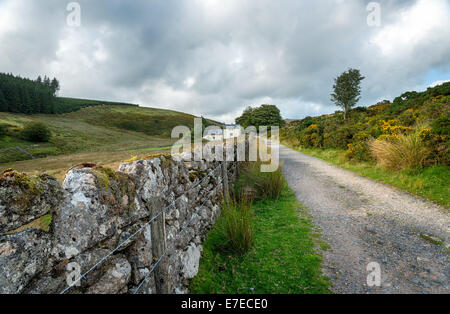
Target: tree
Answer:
pixel 3 103
pixel 55 86
pixel 347 89
pixel 23 95
pixel 265 115
pixel 245 119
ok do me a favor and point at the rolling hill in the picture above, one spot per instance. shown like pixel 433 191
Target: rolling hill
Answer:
pixel 96 127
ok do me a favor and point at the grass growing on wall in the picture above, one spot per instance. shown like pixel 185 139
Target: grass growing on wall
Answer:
pixel 431 182
pixel 282 260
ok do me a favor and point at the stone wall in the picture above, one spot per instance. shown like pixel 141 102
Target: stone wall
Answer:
pixel 52 233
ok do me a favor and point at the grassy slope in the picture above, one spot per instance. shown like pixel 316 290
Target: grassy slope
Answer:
pixel 431 183
pixel 283 260
pixel 106 135
pixel 95 129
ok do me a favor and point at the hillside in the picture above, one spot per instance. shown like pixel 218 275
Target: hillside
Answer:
pixel 405 143
pixel 103 128
pixel 66 104
pixel 428 112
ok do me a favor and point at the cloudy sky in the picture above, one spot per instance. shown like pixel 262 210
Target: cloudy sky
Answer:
pixel 216 57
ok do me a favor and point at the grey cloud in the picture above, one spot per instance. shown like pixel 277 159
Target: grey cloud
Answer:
pixel 217 58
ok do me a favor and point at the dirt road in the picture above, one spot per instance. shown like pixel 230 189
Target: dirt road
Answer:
pixel 365 221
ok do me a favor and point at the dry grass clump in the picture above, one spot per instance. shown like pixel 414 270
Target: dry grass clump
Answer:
pixel 400 152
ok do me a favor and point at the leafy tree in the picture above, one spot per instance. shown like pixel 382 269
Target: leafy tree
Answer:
pixel 245 119
pixel 265 115
pixel 36 132
pixel 347 89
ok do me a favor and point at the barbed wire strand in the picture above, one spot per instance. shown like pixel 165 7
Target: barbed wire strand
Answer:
pixel 137 232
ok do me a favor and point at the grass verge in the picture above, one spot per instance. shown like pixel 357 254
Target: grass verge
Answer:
pixel 430 182
pixel 284 258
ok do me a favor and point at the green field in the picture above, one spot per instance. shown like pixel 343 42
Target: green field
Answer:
pixel 285 258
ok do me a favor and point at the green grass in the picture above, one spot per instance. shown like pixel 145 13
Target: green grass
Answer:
pixel 430 182
pixel 283 260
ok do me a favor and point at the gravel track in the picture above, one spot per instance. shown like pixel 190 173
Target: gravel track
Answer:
pixel 365 221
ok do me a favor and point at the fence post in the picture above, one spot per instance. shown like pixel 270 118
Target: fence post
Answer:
pixel 226 187
pixel 159 246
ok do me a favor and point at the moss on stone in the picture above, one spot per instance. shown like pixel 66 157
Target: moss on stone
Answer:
pixel 166 161
pixel 42 223
pixel 158 155
pixel 194 175
pixel 31 186
pixel 127 188
pixel 22 180
pixel 104 176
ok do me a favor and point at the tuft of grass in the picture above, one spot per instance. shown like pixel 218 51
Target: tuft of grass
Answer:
pixel 402 152
pixel 236 225
pixel 266 184
pixel 283 260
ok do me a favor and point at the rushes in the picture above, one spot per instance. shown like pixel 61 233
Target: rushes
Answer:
pixel 236 222
pixel 236 225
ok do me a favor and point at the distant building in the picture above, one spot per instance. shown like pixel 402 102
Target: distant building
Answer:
pixel 232 131
pixel 229 131
pixel 214 135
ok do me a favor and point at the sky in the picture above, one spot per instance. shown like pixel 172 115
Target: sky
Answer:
pixel 215 58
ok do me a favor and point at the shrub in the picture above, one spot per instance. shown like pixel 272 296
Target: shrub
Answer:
pixel 36 132
pixel 312 136
pixel 340 138
pixel 3 129
pixel 442 125
pixel 359 150
pixel 236 225
pixel 400 152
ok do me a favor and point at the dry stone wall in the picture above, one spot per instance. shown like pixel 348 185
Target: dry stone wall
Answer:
pixel 102 223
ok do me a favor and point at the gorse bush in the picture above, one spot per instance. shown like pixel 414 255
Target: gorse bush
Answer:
pixel 36 132
pixel 400 152
pixel 235 224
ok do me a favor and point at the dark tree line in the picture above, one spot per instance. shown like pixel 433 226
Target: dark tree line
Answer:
pixel 22 95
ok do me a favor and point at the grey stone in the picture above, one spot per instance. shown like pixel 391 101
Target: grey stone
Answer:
pixel 115 279
pixel 25 198
pixel 22 256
